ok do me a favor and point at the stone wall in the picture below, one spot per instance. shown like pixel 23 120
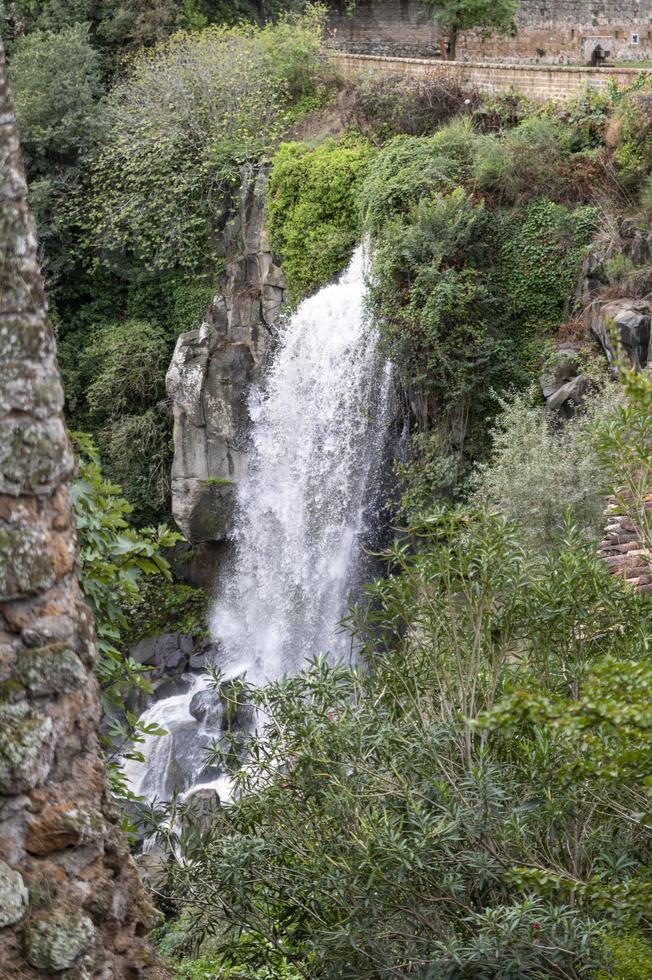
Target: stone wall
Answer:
pixel 535 81
pixel 548 31
pixel 71 903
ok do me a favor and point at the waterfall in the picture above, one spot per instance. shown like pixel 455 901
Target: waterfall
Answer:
pixel 319 424
pixel 305 512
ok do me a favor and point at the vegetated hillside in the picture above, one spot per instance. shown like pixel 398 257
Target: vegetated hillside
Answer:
pixel 472 801
pixel 476 803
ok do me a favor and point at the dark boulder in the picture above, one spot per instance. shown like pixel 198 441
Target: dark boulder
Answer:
pixel 206 707
pixel 167 654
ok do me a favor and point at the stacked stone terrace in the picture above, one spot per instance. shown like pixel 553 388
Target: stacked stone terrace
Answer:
pixel 624 546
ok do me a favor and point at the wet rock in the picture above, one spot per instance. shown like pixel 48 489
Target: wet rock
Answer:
pixel 167 653
pixel 207 655
pixel 197 564
pixel 562 367
pixel 630 318
pixel 13 896
pixel 205 804
pixel 151 867
pixel 568 397
pixel 206 706
pixel 187 759
pixel 57 938
pixel 171 687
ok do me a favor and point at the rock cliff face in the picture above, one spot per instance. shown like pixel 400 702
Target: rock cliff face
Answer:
pixel 213 366
pixel 627 317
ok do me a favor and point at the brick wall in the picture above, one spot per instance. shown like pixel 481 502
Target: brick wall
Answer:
pixel 535 81
pixel 549 31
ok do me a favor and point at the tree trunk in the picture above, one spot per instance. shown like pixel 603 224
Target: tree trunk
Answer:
pixel 71 903
pixel 452 42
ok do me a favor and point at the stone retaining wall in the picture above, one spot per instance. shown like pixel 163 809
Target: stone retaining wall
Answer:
pixel 548 31
pixel 534 81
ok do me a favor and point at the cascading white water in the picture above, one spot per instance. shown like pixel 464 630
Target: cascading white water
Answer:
pixel 304 511
pixel 319 426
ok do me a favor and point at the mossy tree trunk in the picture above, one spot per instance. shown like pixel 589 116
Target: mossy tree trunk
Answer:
pixel 71 903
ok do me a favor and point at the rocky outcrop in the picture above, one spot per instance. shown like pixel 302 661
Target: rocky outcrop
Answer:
pixel 213 367
pixel 618 308
pixel 562 386
pixel 624 322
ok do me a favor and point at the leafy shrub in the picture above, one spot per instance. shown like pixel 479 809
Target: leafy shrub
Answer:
pixel 540 260
pixel 405 170
pixel 162 606
pixel 374 827
pixel 633 151
pixel 311 209
pixel 382 108
pixel 493 168
pixel 178 126
pixel 138 453
pixel 646 194
pixel 540 473
pixel 630 958
pixel 114 560
pixel 127 362
pixel 119 379
pixel 56 82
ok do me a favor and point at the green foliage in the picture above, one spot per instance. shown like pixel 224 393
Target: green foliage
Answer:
pixel 464 292
pixel 376 830
pixel 540 260
pixel 464 15
pixel 178 127
pixel 622 442
pixel 493 168
pixel 127 363
pixel 539 472
pixel 209 967
pixel 434 304
pixel 646 194
pixel 633 151
pixel 56 82
pixel 311 209
pixel 121 27
pixel 162 606
pixel 409 168
pixel 629 958
pixel 114 386
pixel 114 560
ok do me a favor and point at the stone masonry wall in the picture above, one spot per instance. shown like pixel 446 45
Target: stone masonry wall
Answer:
pixel 548 31
pixel 534 81
pixel 71 903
